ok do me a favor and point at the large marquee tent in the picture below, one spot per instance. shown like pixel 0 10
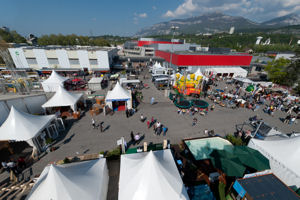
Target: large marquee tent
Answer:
pixel 234 71
pixel 21 126
pixel 63 98
pixel 120 96
pixel 86 180
pixel 150 175
pixel 283 154
pixel 53 82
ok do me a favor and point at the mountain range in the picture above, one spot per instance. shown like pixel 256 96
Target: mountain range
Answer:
pixel 217 22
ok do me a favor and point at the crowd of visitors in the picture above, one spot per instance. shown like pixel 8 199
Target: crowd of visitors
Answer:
pixel 261 97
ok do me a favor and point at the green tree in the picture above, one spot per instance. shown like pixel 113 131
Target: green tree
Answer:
pixel 277 71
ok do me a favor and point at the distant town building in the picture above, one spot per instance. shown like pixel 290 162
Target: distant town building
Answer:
pixel 59 57
pixel 258 39
pixel 285 55
pixel 149 41
pixel 231 31
pixel 31 39
pixel 4 28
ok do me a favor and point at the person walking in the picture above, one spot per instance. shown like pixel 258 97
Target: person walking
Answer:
pixel 148 124
pixel 287 119
pixel 194 121
pixel 152 121
pixel 292 120
pixel 132 137
pixel 137 138
pixel 101 127
pixel 154 128
pixel 165 129
pixel 127 113
pixel 93 123
pixel 152 100
pixel 4 166
pixel 142 118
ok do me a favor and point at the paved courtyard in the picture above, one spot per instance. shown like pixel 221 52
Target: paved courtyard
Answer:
pixel 83 139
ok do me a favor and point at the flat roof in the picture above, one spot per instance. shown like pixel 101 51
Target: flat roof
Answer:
pixel 267 187
pixel 54 47
pixel 207 53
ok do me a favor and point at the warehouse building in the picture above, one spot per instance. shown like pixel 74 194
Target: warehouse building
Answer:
pixel 217 63
pixel 68 58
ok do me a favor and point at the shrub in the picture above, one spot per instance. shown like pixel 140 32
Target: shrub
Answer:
pixel 66 160
pixel 234 140
pixel 49 140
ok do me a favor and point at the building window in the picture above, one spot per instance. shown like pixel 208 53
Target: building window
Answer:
pixel 53 61
pixel 74 61
pixel 31 61
pixel 93 62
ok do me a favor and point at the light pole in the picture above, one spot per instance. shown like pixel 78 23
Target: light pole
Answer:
pixel 173 28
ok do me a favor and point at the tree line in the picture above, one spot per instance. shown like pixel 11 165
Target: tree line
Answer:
pixel 11 37
pixel 241 42
pixel 285 72
pixel 66 40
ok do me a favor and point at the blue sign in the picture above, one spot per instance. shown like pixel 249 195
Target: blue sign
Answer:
pixel 239 189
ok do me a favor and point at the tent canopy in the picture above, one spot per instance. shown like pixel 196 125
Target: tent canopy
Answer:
pixel 198 73
pixel 21 126
pixel 236 71
pixel 53 82
pixel 283 155
pixel 118 94
pixel 150 175
pixel 86 180
pixel 201 148
pixel 95 80
pixel 63 98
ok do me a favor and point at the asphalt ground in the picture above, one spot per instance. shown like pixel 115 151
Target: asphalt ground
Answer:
pixel 81 138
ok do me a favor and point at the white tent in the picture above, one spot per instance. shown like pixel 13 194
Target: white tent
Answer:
pixel 119 94
pixel 21 126
pixel 236 71
pixel 86 180
pixel 198 73
pixel 53 82
pixel 283 155
pixel 63 98
pixel 150 175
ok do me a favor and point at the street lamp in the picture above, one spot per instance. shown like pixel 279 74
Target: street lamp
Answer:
pixel 173 28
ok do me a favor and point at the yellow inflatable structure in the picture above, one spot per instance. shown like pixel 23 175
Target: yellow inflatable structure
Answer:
pixel 188 86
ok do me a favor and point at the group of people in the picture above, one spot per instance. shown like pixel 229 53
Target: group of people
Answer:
pixel 14 168
pixel 100 125
pixel 194 110
pixel 158 128
pixel 273 101
pixel 129 112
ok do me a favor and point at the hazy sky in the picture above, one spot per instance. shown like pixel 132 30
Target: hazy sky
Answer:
pixel 125 17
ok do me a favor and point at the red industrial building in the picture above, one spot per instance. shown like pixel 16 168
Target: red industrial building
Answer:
pixel 193 59
pixel 219 64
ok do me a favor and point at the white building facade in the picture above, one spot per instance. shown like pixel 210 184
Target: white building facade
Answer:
pixel 90 58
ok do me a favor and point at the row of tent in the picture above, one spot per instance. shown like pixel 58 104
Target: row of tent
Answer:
pixel 143 176
pixel 21 126
pixel 55 83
